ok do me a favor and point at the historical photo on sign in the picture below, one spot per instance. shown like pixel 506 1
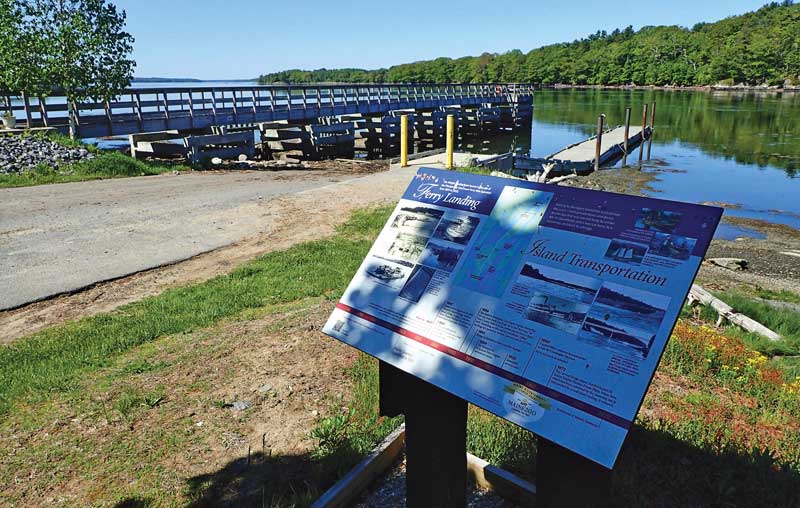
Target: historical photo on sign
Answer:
pixel 672 246
pixel 419 220
pixel 559 313
pixel 658 220
pixel 624 319
pixel 494 259
pixel 458 229
pixel 441 255
pixel 626 252
pixel 407 246
pixel 560 298
pixel 387 274
pixel 417 283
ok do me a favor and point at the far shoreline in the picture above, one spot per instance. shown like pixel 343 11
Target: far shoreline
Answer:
pixel 692 88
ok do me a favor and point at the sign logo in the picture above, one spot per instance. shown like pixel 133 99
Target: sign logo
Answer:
pixel 526 404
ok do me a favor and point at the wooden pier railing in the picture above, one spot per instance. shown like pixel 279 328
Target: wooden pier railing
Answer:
pixel 139 110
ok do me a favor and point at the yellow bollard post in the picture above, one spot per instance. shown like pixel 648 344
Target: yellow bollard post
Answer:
pixel 403 141
pixel 451 127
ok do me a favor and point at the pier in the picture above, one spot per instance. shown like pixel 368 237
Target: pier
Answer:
pixel 308 121
pixel 603 149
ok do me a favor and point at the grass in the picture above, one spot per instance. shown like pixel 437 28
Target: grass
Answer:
pixel 104 165
pixel 720 426
pixel 783 295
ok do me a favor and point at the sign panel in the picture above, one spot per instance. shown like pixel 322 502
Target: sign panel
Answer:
pixel 548 306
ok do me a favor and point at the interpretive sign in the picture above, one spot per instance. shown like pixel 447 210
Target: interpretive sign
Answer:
pixel 548 306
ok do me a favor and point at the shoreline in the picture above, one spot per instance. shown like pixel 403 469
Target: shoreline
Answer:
pixel 678 88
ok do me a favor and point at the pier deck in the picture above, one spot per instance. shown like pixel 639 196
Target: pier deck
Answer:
pixel 579 158
pixel 585 150
pixel 139 110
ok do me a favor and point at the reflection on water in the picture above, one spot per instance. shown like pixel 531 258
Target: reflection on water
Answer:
pixel 740 148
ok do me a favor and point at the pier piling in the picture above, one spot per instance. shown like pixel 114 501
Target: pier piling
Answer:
pixel 625 136
pixel 451 124
pixel 598 142
pixel 644 126
pixel 652 124
pixel 403 141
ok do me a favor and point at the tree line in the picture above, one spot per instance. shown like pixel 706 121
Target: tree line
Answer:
pixel 78 48
pixel 756 48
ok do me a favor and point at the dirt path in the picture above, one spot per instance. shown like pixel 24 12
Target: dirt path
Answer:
pixel 284 221
pixel 61 238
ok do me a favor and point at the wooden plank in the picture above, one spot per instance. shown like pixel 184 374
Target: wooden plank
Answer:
pixel 507 485
pixel 43 111
pixel 346 490
pixel 212 139
pixel 585 150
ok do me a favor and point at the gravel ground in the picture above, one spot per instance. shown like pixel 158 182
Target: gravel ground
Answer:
pixel 390 492
pixel 23 153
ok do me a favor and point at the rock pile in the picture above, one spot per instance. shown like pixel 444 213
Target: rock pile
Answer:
pixel 23 153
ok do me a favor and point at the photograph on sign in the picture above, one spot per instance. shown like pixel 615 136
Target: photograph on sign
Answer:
pixel 547 306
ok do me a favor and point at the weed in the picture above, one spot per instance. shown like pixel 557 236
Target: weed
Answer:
pixel 331 433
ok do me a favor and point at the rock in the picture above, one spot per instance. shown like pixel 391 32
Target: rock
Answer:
pixel 241 405
pixel 265 389
pixel 23 153
pixel 729 263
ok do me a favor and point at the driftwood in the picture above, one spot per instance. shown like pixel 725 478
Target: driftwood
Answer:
pixel 725 311
pixel 560 179
pixel 541 176
pixel 501 174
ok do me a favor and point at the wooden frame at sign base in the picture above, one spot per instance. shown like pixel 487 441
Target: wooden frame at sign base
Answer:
pixel 483 474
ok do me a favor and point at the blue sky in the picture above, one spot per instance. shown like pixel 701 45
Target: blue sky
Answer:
pixel 244 38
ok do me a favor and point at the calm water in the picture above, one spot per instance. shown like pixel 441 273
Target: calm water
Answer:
pixel 736 148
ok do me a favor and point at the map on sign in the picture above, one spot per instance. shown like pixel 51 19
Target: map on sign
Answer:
pixel 504 237
pixel 548 306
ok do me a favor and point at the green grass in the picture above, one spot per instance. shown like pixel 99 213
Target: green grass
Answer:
pixel 55 359
pixel 104 165
pixel 783 295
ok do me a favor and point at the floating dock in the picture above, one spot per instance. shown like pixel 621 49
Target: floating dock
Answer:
pixel 579 158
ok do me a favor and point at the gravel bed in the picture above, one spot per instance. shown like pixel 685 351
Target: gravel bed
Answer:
pixel 23 153
pixel 390 492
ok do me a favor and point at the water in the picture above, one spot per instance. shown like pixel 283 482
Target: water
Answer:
pixel 191 84
pixel 737 148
